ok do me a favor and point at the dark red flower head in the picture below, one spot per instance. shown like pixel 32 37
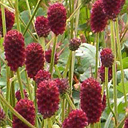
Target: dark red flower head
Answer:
pixel 122 2
pixel 14 49
pixel 26 108
pixel 42 27
pixel 57 18
pixel 9 17
pixel 112 8
pixel 126 123
pixel 42 75
pixel 91 100
pixel 18 96
pixel 62 84
pixel 2 118
pixel 47 98
pixel 34 59
pixel 102 73
pixel 98 19
pixel 76 119
pixel 74 44
pixel 48 56
pixel 107 57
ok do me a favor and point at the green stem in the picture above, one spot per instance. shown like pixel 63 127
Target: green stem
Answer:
pixel 113 45
pixel 125 31
pixel 53 56
pixel 48 44
pixel 35 10
pixel 67 66
pixel 31 34
pixel 58 72
pixel 45 123
pixel 70 6
pixel 49 123
pixel 121 62
pixel 107 91
pixel 35 102
pixel 122 121
pixel 17 15
pixel 7 69
pixel 3 20
pixel 28 86
pixel 4 126
pixel 71 71
pixel 70 101
pixel 42 41
pixel 8 87
pixel 63 109
pixel 9 1
pixel 15 112
pixel 12 92
pixel 97 51
pixel 74 13
pixel 103 88
pixel 29 10
pixel 20 84
pixel 92 126
pixel 72 21
pixel 77 18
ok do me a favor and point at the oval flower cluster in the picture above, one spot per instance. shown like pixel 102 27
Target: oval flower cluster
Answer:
pixel 102 11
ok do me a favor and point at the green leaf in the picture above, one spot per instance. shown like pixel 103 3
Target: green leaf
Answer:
pixel 125 63
pixel 120 87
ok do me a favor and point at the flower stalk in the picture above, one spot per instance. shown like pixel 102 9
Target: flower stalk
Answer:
pixel 113 46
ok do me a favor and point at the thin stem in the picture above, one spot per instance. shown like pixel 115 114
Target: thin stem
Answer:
pixel 114 70
pixel 31 34
pixel 48 44
pixel 35 10
pixel 71 71
pixel 45 124
pixel 7 69
pixel 67 66
pixel 58 72
pixel 12 92
pixel 28 86
pixel 9 1
pixel 122 121
pixel 20 84
pixel 107 91
pixel 53 56
pixel 77 18
pixel 92 126
pixel 72 21
pixel 15 112
pixel 70 101
pixel 125 31
pixel 74 13
pixel 17 15
pixel 49 123
pixel 121 62
pixel 8 88
pixel 63 109
pixel 42 41
pixel 3 20
pixel 97 50
pixel 29 10
pixel 35 102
